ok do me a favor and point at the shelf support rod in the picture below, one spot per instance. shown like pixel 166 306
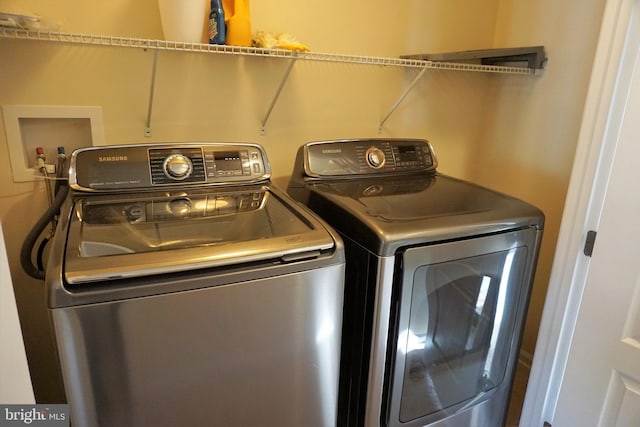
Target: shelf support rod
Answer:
pixel 277 95
pixel 147 129
pixel 402 97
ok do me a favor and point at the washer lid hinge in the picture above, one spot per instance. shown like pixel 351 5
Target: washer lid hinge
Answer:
pixel 590 242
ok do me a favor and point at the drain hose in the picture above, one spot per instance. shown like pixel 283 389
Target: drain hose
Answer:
pixel 31 239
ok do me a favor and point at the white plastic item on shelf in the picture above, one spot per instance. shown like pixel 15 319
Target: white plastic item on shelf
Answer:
pixel 19 20
pixel 184 20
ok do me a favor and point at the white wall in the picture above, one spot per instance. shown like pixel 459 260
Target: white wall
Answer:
pixel 529 139
pixel 15 386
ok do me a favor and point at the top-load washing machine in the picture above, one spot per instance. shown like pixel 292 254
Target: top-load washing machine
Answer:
pixel 185 290
pixel 438 279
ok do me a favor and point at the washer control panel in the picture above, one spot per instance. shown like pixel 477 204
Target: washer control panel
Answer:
pixel 149 166
pixel 368 157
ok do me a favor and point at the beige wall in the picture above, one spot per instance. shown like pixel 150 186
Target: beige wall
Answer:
pixel 529 138
pixel 512 133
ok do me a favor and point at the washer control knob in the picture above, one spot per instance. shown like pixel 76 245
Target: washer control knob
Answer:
pixel 178 166
pixel 375 157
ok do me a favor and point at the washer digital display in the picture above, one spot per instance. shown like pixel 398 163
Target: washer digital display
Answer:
pixel 407 153
pixel 228 161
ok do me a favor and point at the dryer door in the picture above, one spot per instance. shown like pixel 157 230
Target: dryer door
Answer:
pixel 462 306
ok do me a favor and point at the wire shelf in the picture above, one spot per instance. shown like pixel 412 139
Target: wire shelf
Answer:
pixel 293 56
pixel 100 40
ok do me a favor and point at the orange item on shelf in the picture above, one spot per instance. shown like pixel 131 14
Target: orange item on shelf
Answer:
pixel 238 20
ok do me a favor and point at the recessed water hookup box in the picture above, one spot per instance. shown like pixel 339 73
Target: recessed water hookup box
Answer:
pixel 48 126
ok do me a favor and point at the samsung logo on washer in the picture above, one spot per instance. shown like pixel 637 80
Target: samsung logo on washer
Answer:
pixel 331 150
pixel 102 159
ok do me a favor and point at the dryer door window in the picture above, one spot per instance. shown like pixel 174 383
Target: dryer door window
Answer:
pixel 458 321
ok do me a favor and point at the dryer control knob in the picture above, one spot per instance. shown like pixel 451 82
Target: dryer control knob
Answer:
pixel 178 166
pixel 375 157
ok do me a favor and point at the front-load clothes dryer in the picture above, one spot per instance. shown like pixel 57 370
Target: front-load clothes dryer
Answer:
pixel 439 273
pixel 185 290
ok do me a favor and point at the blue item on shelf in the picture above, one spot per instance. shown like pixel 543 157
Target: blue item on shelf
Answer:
pixel 217 27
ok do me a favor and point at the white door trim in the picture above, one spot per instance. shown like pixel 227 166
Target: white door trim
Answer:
pixel 601 121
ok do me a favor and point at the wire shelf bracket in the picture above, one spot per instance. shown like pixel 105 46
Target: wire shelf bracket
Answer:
pixel 147 128
pixel 402 97
pixel 277 95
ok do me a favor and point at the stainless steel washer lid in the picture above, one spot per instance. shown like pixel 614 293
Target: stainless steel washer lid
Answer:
pixel 139 234
pixel 386 213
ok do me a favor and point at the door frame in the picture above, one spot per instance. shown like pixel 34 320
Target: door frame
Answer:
pixel 597 141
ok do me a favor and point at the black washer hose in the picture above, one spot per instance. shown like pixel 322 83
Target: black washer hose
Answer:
pixel 31 239
pixel 40 252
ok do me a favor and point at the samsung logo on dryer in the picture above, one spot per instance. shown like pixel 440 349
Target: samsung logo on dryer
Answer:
pixel 102 159
pixel 331 150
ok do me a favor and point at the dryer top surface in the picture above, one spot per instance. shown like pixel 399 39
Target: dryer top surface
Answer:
pixel 385 213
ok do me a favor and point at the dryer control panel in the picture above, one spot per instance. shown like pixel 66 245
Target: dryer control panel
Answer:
pixel 368 157
pixel 153 166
